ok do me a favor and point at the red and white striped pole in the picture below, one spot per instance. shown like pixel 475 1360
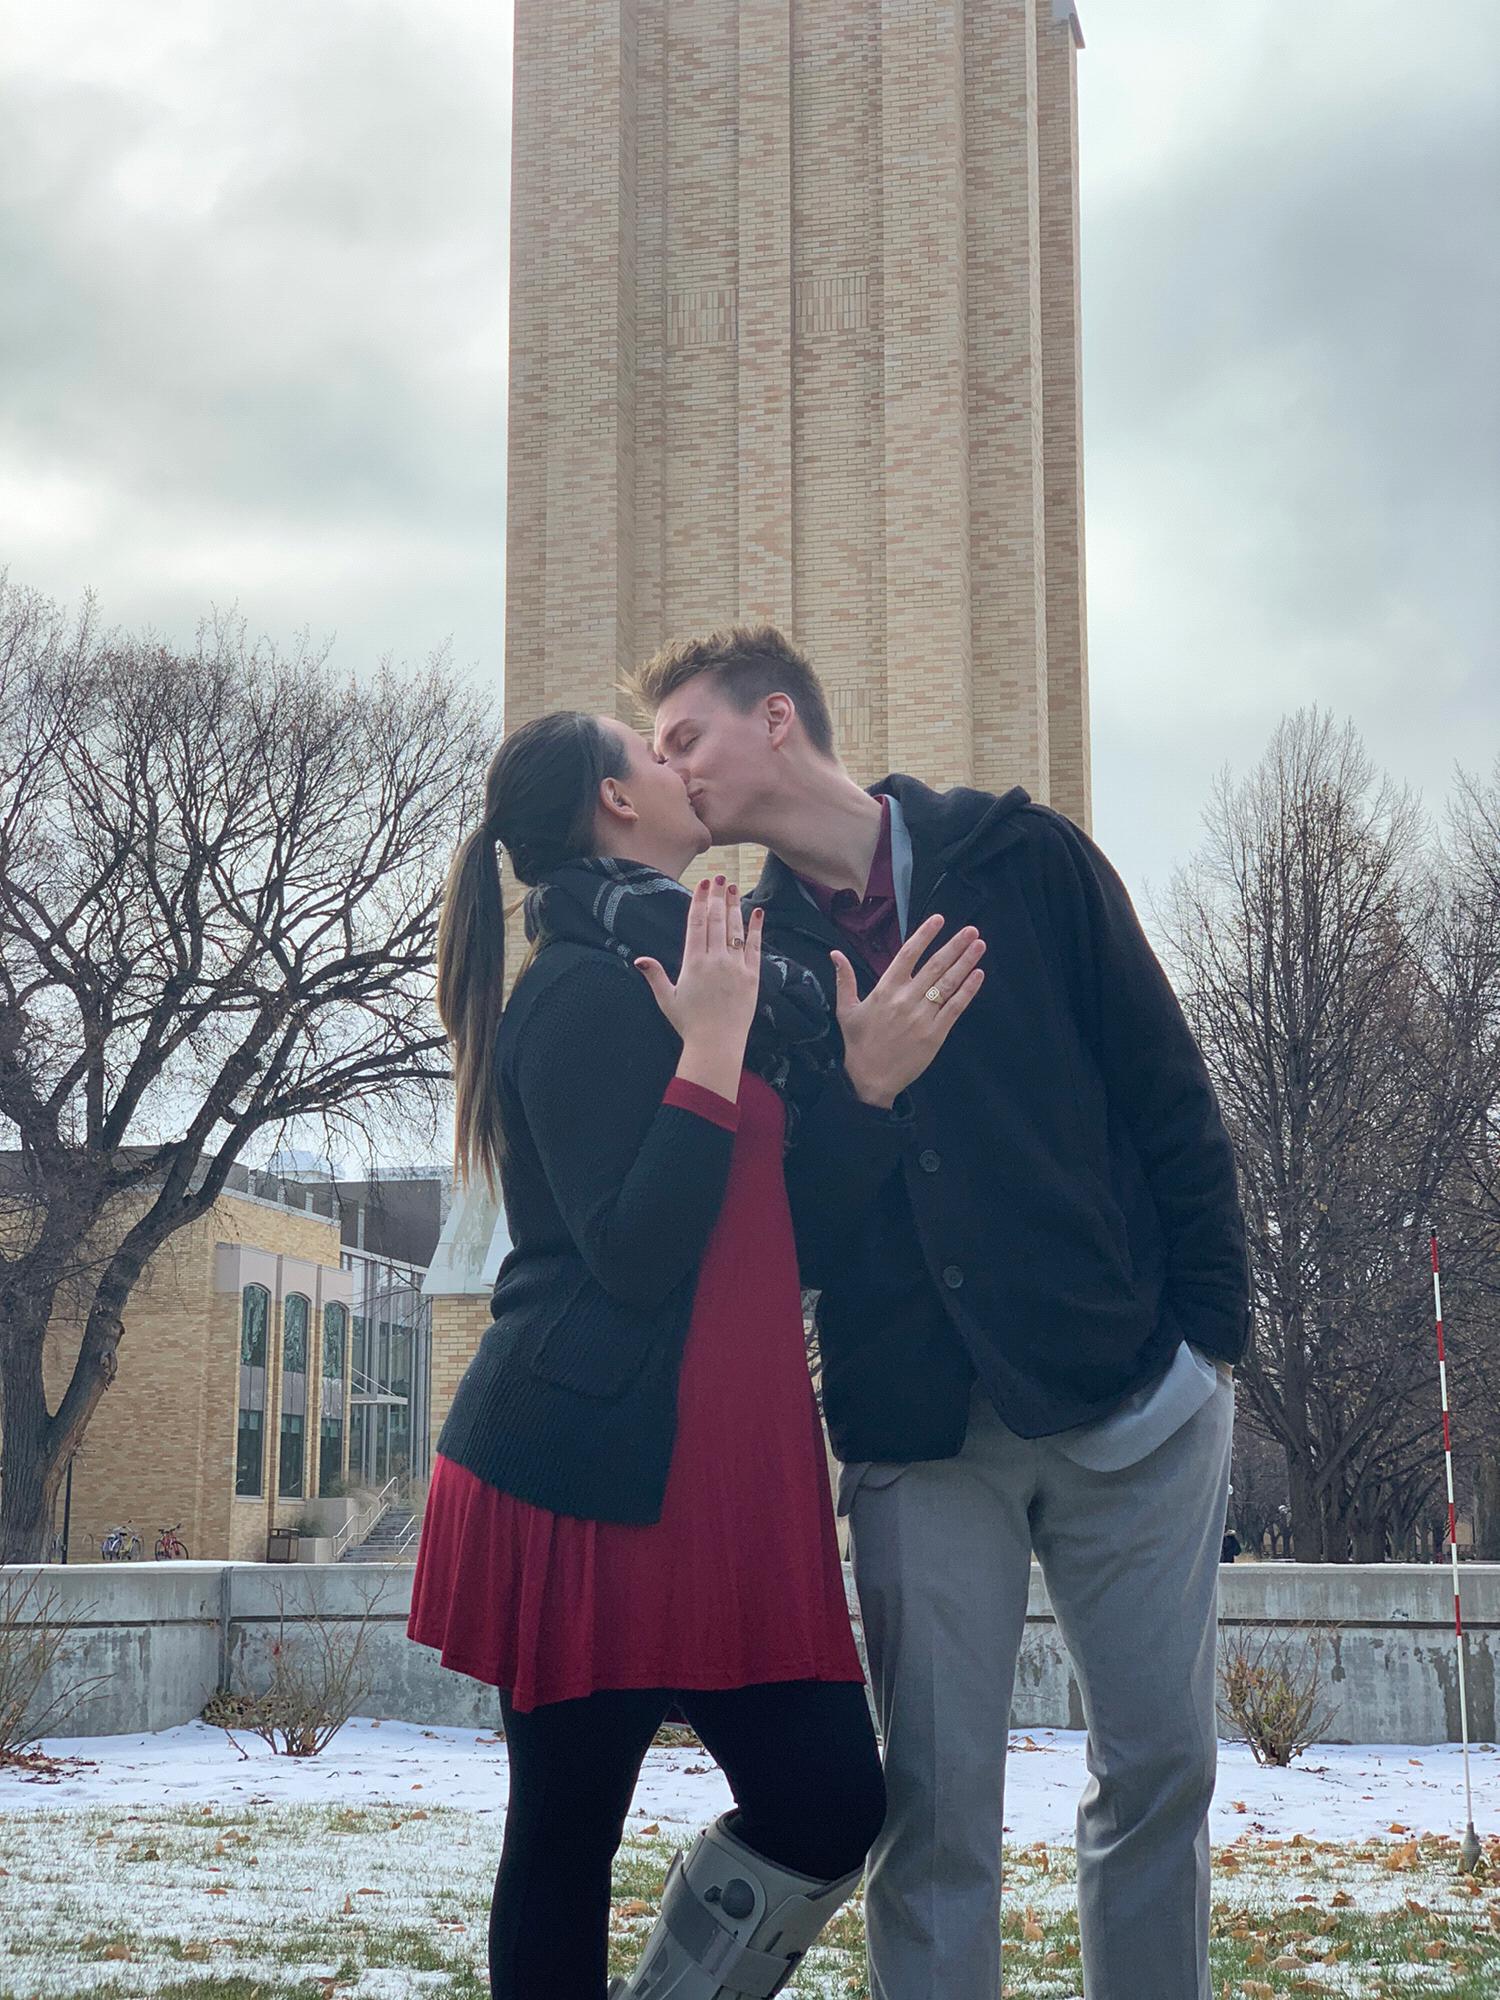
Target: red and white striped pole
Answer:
pixel 1468 1853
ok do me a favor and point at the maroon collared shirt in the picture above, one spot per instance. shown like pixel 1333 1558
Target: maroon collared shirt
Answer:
pixel 871 922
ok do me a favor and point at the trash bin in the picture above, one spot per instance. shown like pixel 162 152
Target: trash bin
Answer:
pixel 281 1545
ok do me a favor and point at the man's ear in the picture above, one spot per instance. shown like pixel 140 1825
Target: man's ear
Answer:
pixel 781 713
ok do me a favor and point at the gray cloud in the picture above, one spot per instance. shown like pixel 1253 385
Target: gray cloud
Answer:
pixel 253 349
pixel 1292 314
pixel 253 339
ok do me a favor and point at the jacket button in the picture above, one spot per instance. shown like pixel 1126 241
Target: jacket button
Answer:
pixel 952 1277
pixel 929 1161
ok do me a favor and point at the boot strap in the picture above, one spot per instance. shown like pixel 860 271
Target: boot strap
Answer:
pixel 739 1969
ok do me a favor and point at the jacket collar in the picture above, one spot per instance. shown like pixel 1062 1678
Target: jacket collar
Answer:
pixel 952 833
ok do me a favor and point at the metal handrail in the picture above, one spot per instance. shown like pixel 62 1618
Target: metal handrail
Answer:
pixel 364 1521
pixel 408 1538
pixel 366 1389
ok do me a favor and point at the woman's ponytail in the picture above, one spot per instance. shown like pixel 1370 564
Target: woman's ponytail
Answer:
pixel 470 998
pixel 540 797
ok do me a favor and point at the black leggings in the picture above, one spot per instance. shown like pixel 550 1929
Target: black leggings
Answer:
pixel 801 1761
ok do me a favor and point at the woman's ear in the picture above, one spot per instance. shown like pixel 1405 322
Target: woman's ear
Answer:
pixel 614 802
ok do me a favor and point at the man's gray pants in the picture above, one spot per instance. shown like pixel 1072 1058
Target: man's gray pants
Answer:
pixel 942 1554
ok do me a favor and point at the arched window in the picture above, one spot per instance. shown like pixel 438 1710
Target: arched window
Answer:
pixel 331 1423
pixel 295 1318
pixel 250 1447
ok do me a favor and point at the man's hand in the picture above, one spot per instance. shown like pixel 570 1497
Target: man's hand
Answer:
pixel 892 1035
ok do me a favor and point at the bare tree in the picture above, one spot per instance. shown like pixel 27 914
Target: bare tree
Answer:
pixel 220 874
pixel 1472 852
pixel 1329 971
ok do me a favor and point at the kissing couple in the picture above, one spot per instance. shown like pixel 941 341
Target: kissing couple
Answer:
pixel 930 1068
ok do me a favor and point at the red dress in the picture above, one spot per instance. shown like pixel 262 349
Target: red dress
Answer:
pixel 739 1581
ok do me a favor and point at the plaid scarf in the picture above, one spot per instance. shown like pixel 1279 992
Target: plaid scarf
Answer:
pixel 638 912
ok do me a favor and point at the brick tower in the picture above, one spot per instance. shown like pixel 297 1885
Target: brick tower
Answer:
pixel 795 335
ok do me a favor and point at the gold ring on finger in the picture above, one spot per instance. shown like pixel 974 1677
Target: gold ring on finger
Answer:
pixel 736 944
pixel 935 995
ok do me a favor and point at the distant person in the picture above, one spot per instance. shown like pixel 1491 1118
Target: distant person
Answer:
pixel 1028 1344
pixel 630 1508
pixel 1230 1547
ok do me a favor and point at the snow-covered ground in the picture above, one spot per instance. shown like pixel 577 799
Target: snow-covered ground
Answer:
pixel 1334 1792
pixel 189 1862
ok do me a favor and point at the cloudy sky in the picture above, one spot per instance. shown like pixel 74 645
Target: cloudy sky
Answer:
pixel 252 351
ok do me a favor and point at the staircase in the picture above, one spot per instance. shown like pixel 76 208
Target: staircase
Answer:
pixel 384 1532
pixel 392 1538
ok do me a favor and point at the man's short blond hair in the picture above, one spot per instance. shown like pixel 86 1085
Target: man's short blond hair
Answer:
pixel 747 663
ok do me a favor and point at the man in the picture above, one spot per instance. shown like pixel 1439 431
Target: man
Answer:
pixel 1029 1342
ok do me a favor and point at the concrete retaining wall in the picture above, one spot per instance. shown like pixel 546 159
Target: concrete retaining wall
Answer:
pixel 167 1635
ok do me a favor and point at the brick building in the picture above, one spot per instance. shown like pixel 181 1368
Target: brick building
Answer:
pixel 275 1360
pixel 795 335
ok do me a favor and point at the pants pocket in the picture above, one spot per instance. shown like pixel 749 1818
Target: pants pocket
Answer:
pixel 863 1472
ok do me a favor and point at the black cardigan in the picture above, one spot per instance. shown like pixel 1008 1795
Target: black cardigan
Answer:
pixel 1068 1212
pixel 611 1196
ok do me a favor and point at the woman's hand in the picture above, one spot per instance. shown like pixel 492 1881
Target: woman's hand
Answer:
pixel 716 993
pixel 892 1035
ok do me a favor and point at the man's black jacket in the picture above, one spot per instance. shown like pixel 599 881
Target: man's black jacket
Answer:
pixel 1067 1211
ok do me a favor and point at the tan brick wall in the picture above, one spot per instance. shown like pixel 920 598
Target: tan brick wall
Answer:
pixel 160 1447
pixel 457 1324
pixel 794 331
pixel 1062 375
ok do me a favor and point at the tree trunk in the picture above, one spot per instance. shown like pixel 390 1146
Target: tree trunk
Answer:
pixel 1306 1518
pixel 1369 1541
pixel 1487 1506
pixel 28 1475
pixel 1335 1526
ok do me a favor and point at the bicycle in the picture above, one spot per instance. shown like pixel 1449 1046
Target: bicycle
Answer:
pixel 169 1545
pixel 120 1544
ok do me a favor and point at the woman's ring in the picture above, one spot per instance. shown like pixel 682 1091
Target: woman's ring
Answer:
pixel 736 944
pixel 935 995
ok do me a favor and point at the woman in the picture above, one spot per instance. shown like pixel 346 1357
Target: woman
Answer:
pixel 630 1507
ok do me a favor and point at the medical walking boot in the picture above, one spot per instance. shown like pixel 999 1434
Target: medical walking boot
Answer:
pixel 733 1926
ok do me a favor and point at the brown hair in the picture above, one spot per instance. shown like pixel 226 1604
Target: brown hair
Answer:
pixel 748 662
pixel 539 798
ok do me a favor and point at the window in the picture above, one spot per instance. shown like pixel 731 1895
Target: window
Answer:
pixel 250 1447
pixel 400 1363
pixel 295 1318
pixel 331 1423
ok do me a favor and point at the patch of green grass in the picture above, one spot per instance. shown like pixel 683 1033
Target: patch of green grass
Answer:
pixel 331 1902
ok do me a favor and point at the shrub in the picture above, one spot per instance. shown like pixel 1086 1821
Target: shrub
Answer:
pixel 314 1684
pixel 32 1642
pixel 1272 1687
